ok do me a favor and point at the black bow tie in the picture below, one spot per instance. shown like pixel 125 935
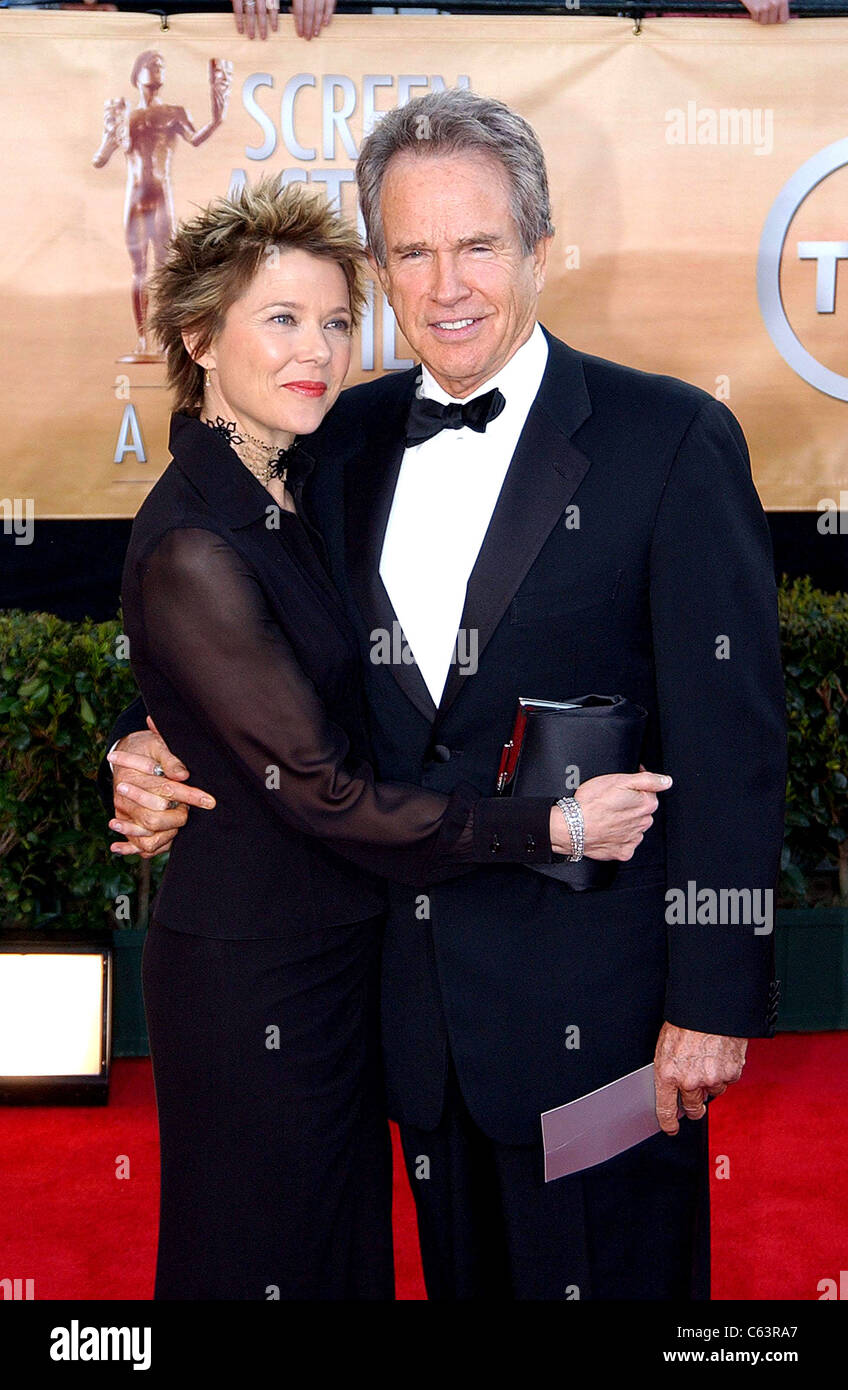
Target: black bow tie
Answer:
pixel 427 417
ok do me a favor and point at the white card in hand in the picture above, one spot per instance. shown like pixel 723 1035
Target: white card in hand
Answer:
pixel 600 1125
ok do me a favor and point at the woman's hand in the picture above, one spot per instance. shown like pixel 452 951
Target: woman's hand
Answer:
pixel 150 809
pixel 618 808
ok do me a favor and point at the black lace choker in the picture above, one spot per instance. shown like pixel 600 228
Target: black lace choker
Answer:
pixel 263 460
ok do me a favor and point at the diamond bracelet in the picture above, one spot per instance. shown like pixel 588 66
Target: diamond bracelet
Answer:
pixel 570 808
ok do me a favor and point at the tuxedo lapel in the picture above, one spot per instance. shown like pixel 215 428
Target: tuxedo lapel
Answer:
pixel 545 472
pixel 370 480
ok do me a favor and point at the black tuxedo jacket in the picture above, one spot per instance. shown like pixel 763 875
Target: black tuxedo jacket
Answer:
pixel 663 591
pixel 659 587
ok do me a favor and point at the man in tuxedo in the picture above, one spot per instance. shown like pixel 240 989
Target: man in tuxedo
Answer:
pixel 576 526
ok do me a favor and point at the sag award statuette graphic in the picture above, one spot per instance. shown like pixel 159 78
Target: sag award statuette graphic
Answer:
pixel 147 136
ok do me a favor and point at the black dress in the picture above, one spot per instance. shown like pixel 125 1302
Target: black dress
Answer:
pixel 260 967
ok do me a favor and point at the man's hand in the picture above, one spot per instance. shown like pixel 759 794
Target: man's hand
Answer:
pixel 697 1065
pixel 150 809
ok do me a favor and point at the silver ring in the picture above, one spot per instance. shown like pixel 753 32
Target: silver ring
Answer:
pixel 158 770
pixel 250 6
pixel 172 805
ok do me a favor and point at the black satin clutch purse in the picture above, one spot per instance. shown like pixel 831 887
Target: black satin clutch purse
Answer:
pixel 555 745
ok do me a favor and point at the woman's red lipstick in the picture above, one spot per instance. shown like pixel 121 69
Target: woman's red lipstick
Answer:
pixel 306 388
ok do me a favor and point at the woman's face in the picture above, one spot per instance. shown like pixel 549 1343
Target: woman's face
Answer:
pixel 281 358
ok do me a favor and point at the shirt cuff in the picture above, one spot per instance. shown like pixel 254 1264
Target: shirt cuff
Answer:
pixel 513 830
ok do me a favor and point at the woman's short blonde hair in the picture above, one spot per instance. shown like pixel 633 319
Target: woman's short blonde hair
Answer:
pixel 212 258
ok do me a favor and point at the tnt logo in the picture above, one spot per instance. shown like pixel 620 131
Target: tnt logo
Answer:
pixel 798 270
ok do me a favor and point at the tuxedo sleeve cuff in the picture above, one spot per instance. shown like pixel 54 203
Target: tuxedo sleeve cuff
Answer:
pixel 719 1011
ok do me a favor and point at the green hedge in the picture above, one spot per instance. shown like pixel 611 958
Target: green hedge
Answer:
pixel 61 685
pixel 814 635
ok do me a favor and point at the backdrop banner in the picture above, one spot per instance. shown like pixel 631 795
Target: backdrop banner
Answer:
pixel 699 177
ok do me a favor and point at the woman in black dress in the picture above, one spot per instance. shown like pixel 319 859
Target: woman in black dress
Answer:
pixel 260 964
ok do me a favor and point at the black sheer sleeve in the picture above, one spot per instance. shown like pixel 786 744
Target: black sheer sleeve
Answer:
pixel 218 643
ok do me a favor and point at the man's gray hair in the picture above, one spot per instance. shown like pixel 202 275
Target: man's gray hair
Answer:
pixel 452 122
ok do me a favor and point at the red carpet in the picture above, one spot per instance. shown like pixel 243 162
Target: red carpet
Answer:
pixel 780 1219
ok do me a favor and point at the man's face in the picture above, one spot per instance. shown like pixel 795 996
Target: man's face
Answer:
pixel 463 291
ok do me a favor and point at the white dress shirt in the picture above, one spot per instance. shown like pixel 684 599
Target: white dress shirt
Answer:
pixel 445 495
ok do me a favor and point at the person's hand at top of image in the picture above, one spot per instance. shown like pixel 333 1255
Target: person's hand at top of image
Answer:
pixel 768 11
pixel 254 16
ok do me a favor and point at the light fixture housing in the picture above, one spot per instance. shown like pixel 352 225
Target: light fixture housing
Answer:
pixel 55 1017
